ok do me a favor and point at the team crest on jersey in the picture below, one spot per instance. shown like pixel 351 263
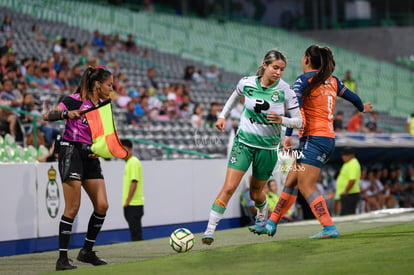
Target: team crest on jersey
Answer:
pixel 233 159
pixel 275 97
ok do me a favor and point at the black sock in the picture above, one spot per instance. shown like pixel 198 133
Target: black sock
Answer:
pixel 65 230
pixel 95 224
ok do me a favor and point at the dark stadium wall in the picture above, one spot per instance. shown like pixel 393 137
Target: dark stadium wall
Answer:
pixel 382 43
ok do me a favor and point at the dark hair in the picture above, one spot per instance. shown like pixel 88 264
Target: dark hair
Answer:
pixel 89 77
pixel 269 181
pixel 126 143
pixel 348 151
pixel 269 57
pixel 321 59
pixel 195 108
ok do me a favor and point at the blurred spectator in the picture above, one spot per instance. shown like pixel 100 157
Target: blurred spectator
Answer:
pixel 22 87
pixel 371 125
pixel 120 81
pixel 11 73
pixel 188 73
pixel 23 65
pixel 131 117
pixel 11 98
pixel 213 74
pixel 410 124
pixel 51 155
pixel 117 44
pixel 26 120
pixel 130 45
pixel 338 122
pixel 356 124
pixel 48 129
pixel 186 99
pixel 198 78
pixel 35 61
pixel 178 91
pixel 7 47
pixel 97 40
pixel 349 82
pixel 172 108
pixel 37 34
pixel 6 26
pixel 101 58
pixel 73 47
pixel 50 64
pixel 113 66
pixel 144 105
pixel 56 61
pixel 212 115
pixel 43 78
pixel 84 58
pixel 197 120
pixel 184 111
pixel 65 63
pixel 75 78
pixel 372 190
pixel 122 98
pixel 61 81
pixel 31 78
pixel 149 82
pixel 136 99
pixel 11 59
pixel 57 45
pixel 154 106
pixel 392 187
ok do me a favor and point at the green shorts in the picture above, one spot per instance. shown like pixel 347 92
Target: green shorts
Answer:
pixel 242 156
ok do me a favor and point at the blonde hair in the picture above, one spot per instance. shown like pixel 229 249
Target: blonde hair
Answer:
pixel 269 57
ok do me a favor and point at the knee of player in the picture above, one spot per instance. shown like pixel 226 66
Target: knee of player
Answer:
pixel 257 195
pixel 72 210
pixel 101 208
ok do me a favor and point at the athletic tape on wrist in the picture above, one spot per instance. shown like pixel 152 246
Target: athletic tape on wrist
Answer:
pixel 54 115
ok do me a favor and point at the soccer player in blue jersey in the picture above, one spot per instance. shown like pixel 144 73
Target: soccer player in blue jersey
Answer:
pixel 317 90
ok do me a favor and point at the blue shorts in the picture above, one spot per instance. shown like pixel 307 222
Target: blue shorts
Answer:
pixel 316 151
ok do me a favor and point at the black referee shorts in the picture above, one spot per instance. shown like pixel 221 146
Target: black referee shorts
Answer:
pixel 74 163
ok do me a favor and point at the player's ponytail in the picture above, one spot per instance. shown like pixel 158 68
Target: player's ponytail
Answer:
pixel 89 77
pixel 269 57
pixel 321 59
pixel 84 84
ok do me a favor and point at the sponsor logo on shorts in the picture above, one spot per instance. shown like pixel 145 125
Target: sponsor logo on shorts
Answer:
pixel 233 159
pixel 74 176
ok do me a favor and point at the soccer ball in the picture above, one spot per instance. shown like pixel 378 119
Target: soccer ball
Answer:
pixel 181 240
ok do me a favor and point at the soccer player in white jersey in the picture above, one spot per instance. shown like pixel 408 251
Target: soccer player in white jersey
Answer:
pixel 267 98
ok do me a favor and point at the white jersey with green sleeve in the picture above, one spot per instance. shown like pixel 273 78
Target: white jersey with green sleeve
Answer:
pixel 254 129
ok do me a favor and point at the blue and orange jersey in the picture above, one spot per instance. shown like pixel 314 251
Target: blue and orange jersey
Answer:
pixel 318 107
